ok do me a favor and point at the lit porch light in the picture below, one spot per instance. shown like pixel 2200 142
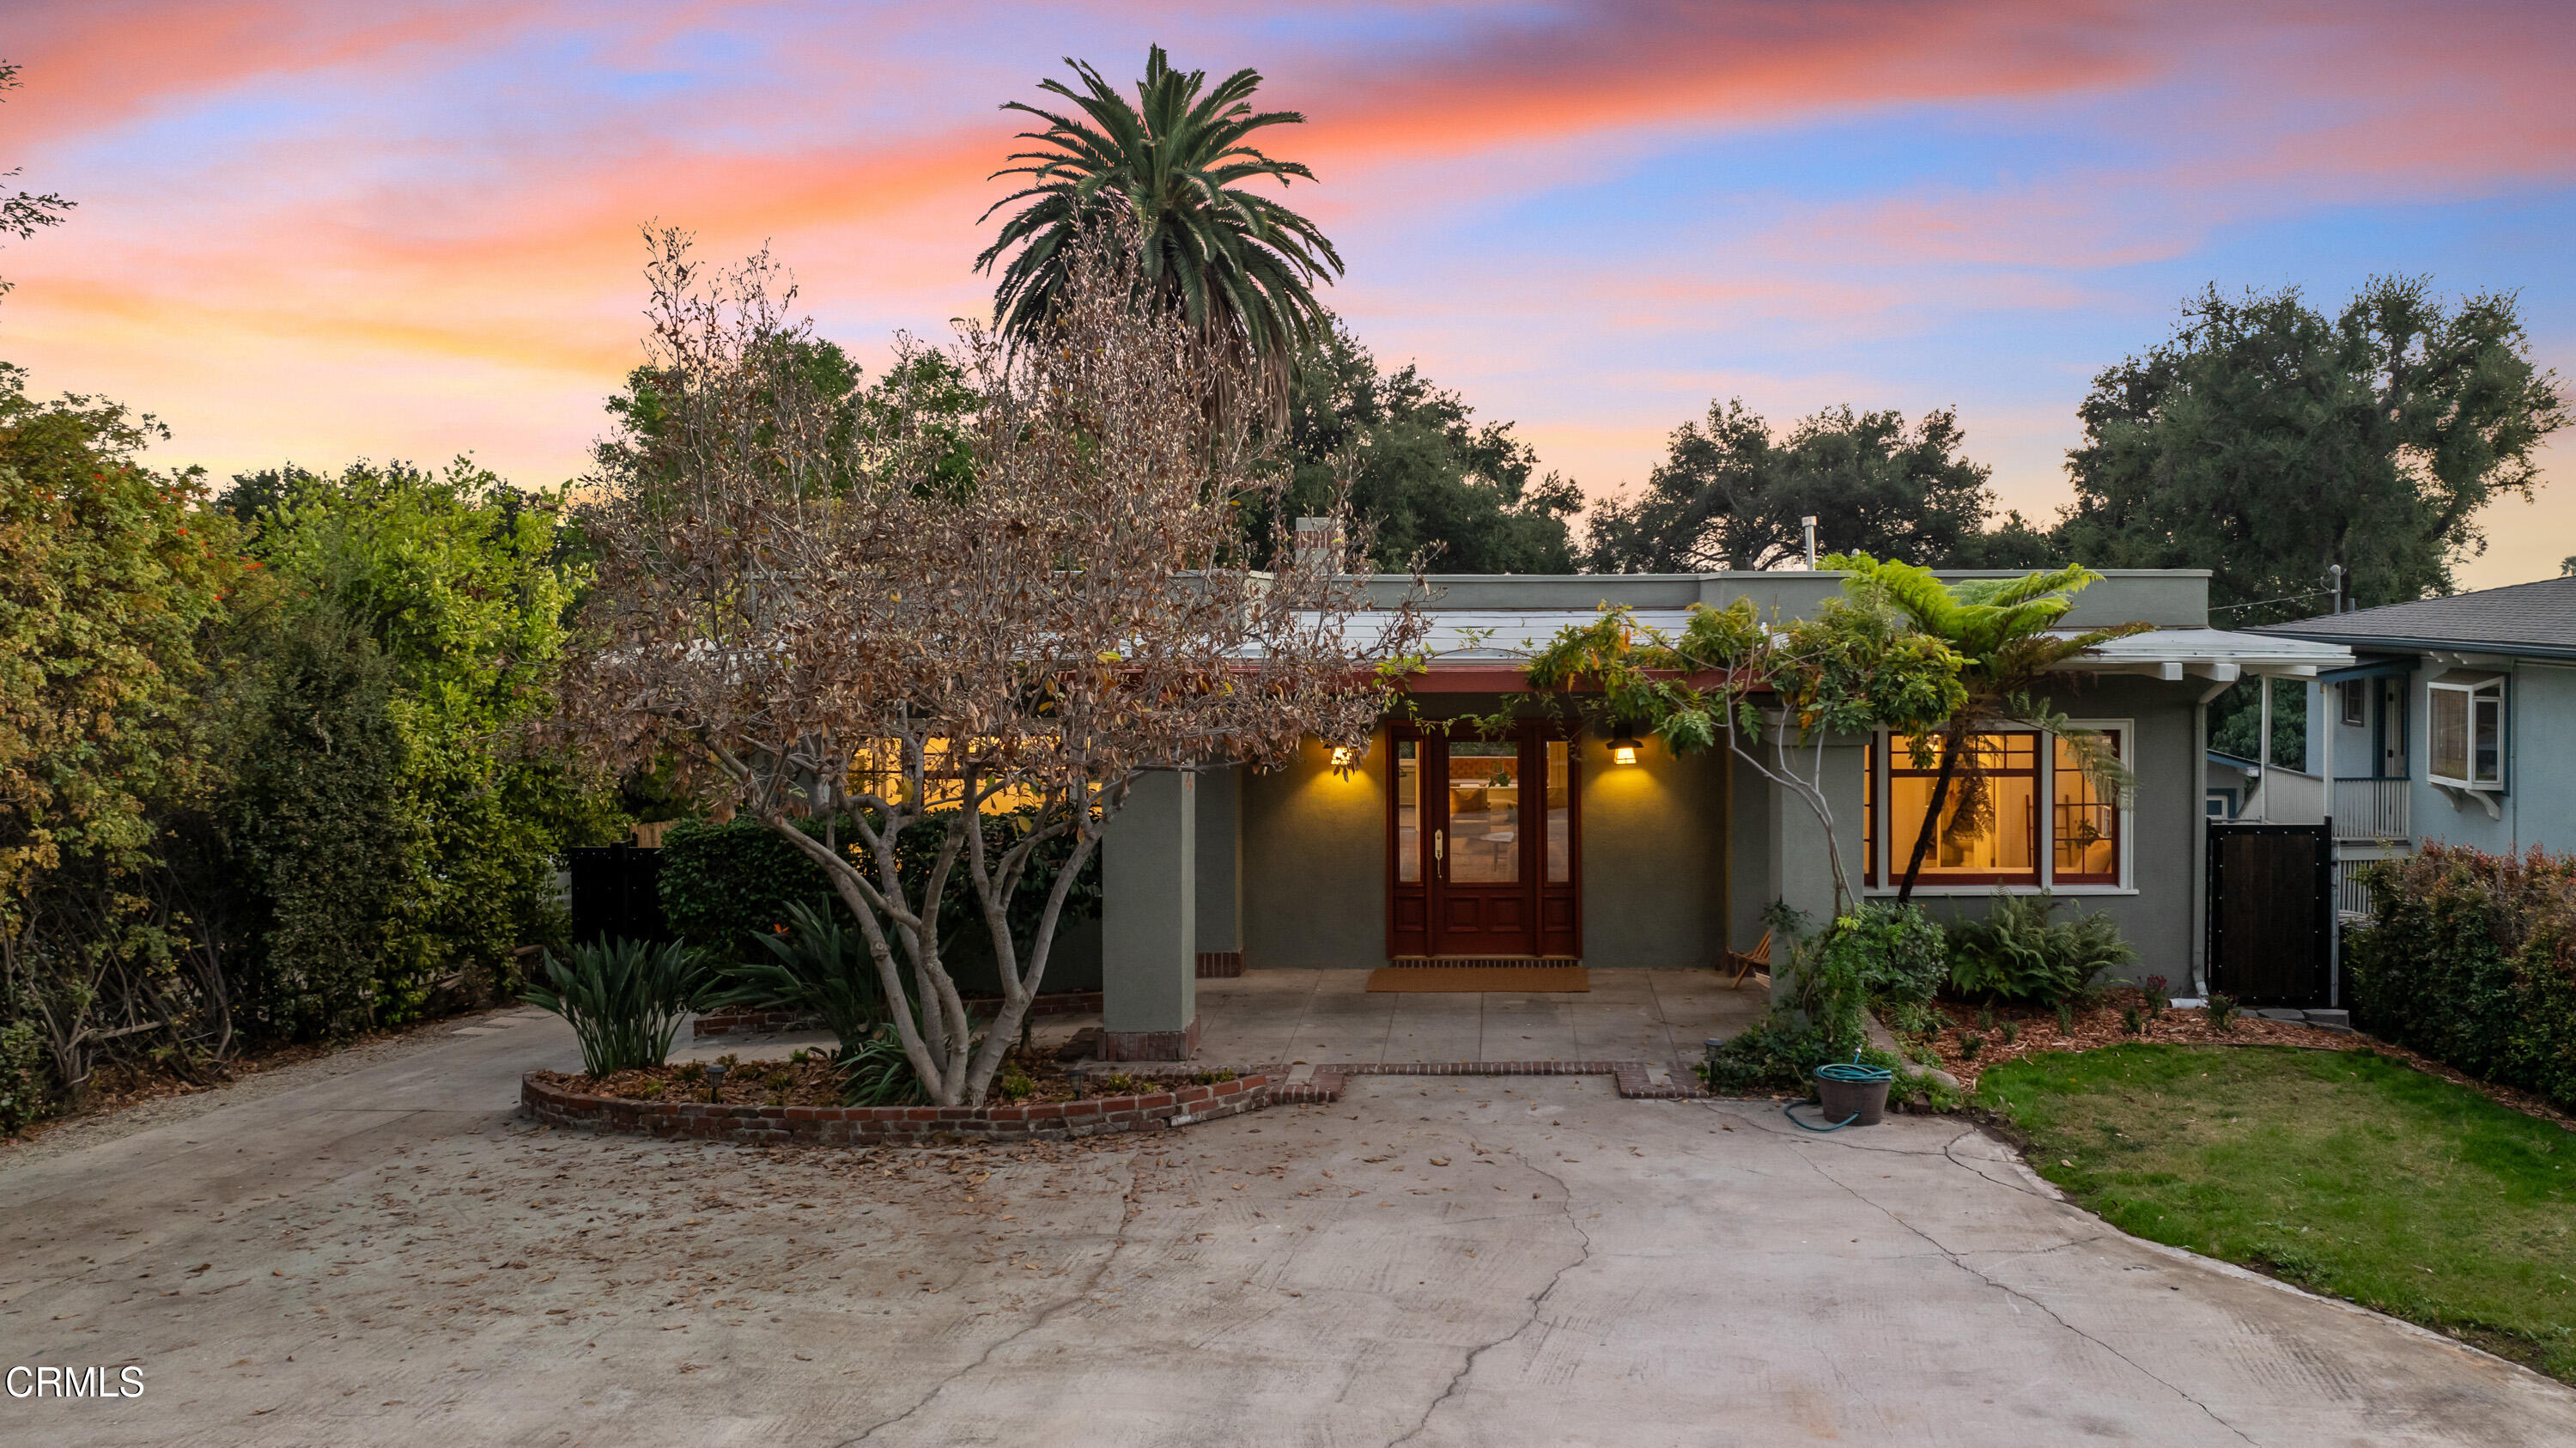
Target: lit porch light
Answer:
pixel 1623 746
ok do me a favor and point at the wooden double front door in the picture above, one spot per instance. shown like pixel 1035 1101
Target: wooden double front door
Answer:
pixel 1484 845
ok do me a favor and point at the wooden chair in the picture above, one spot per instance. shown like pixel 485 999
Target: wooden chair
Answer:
pixel 1746 960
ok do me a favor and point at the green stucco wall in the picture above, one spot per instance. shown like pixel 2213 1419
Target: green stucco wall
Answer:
pixel 1656 855
pixel 1314 858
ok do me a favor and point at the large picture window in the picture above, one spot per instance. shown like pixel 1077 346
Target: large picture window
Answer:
pixel 2033 818
pixel 1988 833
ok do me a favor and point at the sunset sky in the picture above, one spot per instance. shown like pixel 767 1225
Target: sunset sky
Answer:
pixel 320 231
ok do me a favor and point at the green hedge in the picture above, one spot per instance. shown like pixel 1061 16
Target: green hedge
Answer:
pixel 2472 961
pixel 721 883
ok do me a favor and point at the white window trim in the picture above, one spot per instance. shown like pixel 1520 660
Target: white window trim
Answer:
pixel 1882 854
pixel 2490 689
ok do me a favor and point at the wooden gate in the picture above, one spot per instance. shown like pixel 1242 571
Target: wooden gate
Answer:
pixel 2271 913
pixel 616 891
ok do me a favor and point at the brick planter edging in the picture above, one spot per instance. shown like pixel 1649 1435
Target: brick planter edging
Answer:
pixel 1180 1105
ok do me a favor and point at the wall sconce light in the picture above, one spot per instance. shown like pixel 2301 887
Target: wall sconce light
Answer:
pixel 1623 746
pixel 1342 757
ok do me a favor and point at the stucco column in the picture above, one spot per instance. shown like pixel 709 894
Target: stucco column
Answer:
pixel 1802 864
pixel 1220 867
pixel 1149 922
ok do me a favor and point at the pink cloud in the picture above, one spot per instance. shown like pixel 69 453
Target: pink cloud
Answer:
pixel 480 232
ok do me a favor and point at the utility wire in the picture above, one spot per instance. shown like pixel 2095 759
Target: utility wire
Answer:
pixel 2260 602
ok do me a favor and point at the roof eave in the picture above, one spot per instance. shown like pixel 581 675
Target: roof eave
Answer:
pixel 2403 644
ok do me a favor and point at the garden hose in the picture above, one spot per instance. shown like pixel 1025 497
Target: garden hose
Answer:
pixel 1852 1071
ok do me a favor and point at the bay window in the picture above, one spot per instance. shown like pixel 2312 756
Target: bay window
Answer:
pixel 2465 721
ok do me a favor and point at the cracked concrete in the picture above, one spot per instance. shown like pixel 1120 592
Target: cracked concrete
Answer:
pixel 387 1254
pixel 1537 1303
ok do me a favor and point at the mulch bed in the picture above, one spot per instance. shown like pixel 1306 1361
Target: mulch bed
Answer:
pixel 2101 1025
pixel 782 1082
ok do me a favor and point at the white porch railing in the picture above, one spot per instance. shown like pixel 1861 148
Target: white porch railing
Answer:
pixel 2371 808
pixel 2352 896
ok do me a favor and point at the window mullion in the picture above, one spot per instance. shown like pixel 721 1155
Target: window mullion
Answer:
pixel 2043 750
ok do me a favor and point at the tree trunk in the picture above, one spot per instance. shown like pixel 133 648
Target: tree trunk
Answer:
pixel 1931 817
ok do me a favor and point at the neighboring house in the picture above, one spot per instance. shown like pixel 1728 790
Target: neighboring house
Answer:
pixel 1549 843
pixel 2249 790
pixel 2455 722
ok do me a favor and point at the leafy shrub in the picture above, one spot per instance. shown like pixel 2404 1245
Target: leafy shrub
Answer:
pixel 1773 1053
pixel 1016 1085
pixel 23 1095
pixel 625 999
pixel 722 884
pixel 821 968
pixel 1899 954
pixel 1911 1018
pixel 876 1072
pixel 2471 960
pixel 305 861
pixel 2131 1021
pixel 2222 1012
pixel 1873 952
pixel 1970 1043
pixel 2019 953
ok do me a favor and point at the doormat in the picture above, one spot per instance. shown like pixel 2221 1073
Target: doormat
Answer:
pixel 1438 979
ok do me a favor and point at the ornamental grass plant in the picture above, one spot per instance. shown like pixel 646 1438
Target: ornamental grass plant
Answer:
pixel 817 966
pixel 625 999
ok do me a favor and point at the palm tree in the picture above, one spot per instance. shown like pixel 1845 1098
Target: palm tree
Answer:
pixel 1238 266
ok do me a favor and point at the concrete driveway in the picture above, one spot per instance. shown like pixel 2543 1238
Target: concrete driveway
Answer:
pixel 384 1254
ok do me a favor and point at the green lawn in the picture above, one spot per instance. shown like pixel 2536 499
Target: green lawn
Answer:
pixel 2343 1172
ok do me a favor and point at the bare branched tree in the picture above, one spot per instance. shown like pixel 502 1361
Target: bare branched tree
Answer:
pixel 813 624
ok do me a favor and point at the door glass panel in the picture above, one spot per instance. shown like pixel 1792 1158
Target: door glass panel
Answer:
pixel 1408 811
pixel 1560 814
pixel 1484 812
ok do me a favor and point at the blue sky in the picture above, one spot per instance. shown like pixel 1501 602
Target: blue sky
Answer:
pixel 329 231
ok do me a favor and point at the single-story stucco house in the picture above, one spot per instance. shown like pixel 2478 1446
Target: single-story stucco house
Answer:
pixel 1551 843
